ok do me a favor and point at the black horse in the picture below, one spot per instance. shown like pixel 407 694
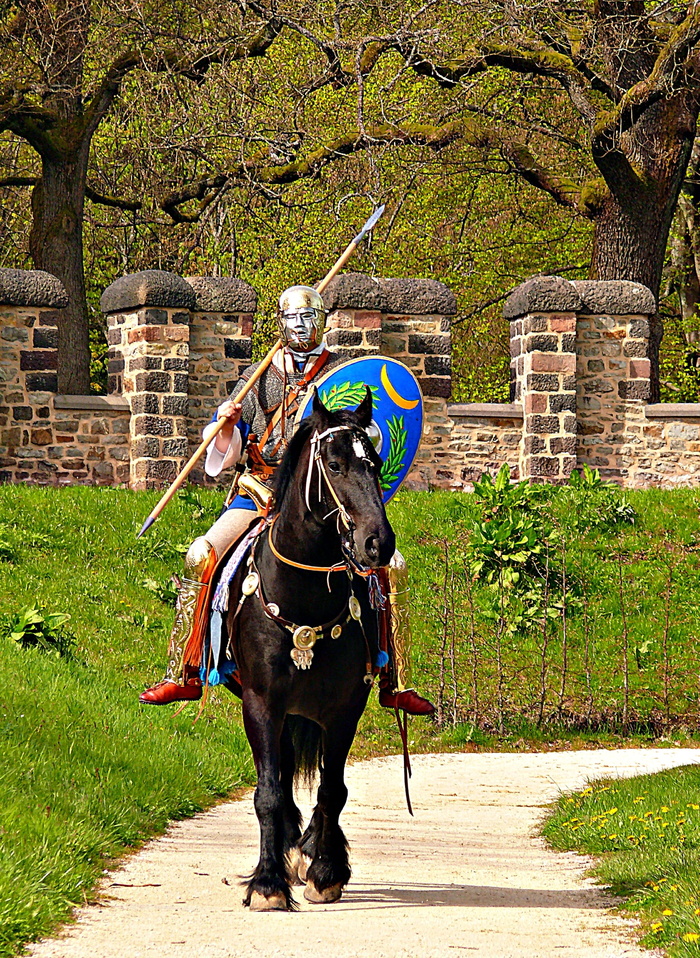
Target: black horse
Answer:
pixel 301 710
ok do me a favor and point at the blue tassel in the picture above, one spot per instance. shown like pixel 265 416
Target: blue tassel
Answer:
pixel 214 677
pixel 203 674
pixel 382 659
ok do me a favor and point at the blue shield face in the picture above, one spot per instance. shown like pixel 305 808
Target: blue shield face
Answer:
pixel 397 416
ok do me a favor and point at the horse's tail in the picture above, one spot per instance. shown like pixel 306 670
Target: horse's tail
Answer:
pixel 306 739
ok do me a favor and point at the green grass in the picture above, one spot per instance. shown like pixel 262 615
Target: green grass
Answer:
pixel 645 832
pixel 89 773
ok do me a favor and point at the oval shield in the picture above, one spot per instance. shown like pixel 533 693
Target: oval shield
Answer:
pixel 397 416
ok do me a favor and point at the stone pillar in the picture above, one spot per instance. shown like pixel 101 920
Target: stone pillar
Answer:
pixel 221 347
pixel 409 320
pixel 542 314
pixel 580 368
pixel 613 380
pixel 28 379
pixel 148 315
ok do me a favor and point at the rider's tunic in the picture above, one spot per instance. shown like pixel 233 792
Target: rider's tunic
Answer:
pixel 259 407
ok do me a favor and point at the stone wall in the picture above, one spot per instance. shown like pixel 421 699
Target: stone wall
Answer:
pixel 580 380
pixel 608 422
pixel 43 438
pixel 176 349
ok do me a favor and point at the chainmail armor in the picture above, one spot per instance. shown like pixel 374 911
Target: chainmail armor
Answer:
pixel 264 398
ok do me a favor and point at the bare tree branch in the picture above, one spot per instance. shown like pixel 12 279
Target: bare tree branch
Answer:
pixel 259 173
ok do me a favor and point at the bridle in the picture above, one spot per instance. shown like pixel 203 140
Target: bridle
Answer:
pixel 317 464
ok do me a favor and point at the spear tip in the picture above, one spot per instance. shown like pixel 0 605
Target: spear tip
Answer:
pixel 146 526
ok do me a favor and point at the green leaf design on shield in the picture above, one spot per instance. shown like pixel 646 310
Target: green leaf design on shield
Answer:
pixel 346 394
pixel 393 464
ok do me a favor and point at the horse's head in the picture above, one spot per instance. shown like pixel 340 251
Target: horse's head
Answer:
pixel 337 474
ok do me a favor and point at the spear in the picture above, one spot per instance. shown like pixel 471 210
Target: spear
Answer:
pixel 243 392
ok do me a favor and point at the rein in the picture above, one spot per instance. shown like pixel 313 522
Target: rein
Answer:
pixel 338 567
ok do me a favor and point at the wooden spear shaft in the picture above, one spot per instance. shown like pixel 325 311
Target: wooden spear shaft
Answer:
pixel 202 448
pixel 242 393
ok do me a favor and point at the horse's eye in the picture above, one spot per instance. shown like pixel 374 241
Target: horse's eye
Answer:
pixel 334 468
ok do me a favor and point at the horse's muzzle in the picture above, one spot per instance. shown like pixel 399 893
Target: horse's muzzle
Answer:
pixel 379 548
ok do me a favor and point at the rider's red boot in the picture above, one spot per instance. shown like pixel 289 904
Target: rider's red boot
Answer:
pixel 165 692
pixel 408 701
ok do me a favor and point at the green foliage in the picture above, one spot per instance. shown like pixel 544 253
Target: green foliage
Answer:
pixel 31 628
pixel 396 455
pixel 648 831
pixel 165 590
pixel 346 394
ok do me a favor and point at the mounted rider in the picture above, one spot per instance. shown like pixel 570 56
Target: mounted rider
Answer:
pixel 254 440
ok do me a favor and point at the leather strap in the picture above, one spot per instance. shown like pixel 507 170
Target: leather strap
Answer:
pixel 292 395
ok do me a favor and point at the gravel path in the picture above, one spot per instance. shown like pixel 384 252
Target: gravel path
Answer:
pixel 466 876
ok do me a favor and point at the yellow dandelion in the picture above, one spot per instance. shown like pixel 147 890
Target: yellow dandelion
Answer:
pixel 664 808
pixel 667 911
pixel 691 936
pixel 691 805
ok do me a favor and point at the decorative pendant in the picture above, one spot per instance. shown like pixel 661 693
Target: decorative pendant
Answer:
pixel 304 637
pixel 274 608
pixel 302 658
pixel 336 631
pixel 355 608
pixel 250 583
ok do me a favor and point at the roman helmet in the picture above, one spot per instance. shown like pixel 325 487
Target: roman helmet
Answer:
pixel 301 317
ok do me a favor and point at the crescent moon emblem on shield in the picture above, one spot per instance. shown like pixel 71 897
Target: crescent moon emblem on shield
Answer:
pixel 399 400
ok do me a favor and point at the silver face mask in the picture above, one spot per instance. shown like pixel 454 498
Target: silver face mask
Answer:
pixel 301 329
pixel 301 318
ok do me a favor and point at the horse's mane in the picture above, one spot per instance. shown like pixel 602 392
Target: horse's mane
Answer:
pixel 290 460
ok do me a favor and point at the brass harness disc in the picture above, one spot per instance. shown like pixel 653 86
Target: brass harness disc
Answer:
pixel 304 637
pixel 250 583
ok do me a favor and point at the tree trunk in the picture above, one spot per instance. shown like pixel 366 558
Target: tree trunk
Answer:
pixel 632 220
pixel 56 245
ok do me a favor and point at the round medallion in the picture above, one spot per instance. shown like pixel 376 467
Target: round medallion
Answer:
pixel 274 608
pixel 250 583
pixel 355 609
pixel 336 631
pixel 304 637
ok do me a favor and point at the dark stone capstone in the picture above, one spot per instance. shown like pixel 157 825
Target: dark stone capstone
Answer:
pixel 615 298
pixel 150 287
pixel 223 294
pixel 31 287
pixel 542 294
pixel 418 297
pixel 354 291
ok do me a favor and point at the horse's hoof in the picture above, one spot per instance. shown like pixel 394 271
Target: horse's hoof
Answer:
pixel 276 902
pixel 325 897
pixel 304 865
pixel 296 865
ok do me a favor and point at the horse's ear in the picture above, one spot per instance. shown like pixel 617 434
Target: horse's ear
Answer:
pixel 364 410
pixel 319 409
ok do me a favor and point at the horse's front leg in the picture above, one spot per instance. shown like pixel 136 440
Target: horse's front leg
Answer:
pixel 292 815
pixel 329 870
pixel 268 888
